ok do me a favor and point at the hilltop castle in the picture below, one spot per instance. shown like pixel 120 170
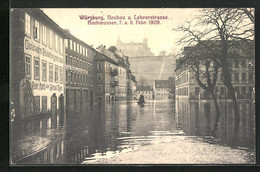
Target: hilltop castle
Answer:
pixel 134 49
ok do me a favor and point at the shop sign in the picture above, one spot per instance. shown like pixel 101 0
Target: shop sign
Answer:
pixel 33 47
pixel 44 86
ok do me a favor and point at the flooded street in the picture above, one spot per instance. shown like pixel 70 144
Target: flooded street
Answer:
pixel 103 132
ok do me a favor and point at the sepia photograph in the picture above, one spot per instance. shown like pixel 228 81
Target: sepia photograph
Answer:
pixel 131 86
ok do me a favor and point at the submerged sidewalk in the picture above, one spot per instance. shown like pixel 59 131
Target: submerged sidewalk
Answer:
pixel 180 150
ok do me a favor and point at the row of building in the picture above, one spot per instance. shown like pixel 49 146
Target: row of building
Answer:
pixel 161 90
pixel 242 79
pixel 50 69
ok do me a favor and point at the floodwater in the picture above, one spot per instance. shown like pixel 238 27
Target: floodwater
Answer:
pixel 104 130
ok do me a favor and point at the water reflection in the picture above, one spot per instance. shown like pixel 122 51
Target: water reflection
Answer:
pixel 197 118
pixel 104 130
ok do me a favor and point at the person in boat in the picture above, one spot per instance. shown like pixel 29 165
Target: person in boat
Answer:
pixel 141 99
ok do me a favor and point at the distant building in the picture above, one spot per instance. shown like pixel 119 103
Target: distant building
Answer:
pixel 146 91
pixel 161 89
pixel 134 49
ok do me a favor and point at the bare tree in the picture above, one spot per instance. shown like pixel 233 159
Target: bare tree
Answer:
pixel 233 29
pixel 205 70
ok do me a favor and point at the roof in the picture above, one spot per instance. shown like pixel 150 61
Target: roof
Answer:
pixel 102 57
pixel 40 13
pixel 144 88
pixel 161 83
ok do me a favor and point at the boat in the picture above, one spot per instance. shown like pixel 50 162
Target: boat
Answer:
pixel 141 100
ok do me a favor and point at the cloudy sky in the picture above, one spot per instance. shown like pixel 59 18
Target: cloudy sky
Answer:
pixel 160 37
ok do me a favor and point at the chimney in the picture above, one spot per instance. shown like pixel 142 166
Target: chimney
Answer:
pixel 67 30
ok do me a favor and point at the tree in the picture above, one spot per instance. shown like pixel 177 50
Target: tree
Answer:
pixel 205 70
pixel 233 29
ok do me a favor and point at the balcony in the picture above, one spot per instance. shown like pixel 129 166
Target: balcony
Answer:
pixel 113 72
pixel 114 83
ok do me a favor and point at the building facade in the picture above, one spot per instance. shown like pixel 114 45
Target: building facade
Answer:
pixel 36 63
pixel 112 69
pixel 146 91
pixel 242 75
pixel 79 73
pixel 161 89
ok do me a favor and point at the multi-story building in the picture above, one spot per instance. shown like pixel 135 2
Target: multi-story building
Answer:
pixel 36 63
pixel 106 69
pixel 111 68
pixel 79 73
pixel 161 89
pixel 242 75
pixel 146 91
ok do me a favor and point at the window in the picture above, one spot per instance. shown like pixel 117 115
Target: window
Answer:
pixel 78 48
pixel 250 89
pixel 61 75
pixel 27 24
pixel 243 76
pixel 50 72
pixel 237 89
pixel 44 70
pixel 61 46
pixel 250 76
pixel 84 51
pixel 36 68
pixel 44 35
pixel 51 40
pixel 36 32
pixel 236 76
pixel 28 66
pixel 99 65
pixel 56 73
pixel 236 63
pixel 37 102
pixel 74 46
pixel 99 76
pixel 66 43
pixel 243 63
pixel 56 42
pixel 243 90
pixel 197 90
pixel 44 103
pixel 99 88
pixel 71 44
pixel 67 59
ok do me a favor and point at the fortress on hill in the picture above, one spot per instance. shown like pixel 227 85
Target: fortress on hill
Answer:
pixel 134 49
pixel 145 66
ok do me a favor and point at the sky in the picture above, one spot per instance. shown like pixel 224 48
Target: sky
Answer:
pixel 160 37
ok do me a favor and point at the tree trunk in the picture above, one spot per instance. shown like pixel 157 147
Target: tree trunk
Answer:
pixel 217 115
pixel 228 84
